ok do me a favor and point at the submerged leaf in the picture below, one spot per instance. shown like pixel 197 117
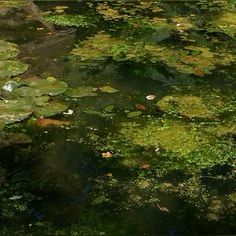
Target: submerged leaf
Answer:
pixel 81 92
pixel 134 114
pixel 108 89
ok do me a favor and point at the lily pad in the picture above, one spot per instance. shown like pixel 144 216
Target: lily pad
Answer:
pixel 26 91
pixel 108 89
pixel 46 108
pixel 8 50
pixel 9 68
pixel 49 86
pixel 15 110
pixel 80 92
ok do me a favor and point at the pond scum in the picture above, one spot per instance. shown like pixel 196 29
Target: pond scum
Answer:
pixel 117 117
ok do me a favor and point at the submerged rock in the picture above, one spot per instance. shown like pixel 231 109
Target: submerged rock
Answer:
pixel 8 139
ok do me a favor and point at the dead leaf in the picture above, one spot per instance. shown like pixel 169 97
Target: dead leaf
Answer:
pixel 146 166
pixel 140 106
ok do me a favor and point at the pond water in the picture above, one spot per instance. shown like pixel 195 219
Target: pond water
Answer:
pixel 117 118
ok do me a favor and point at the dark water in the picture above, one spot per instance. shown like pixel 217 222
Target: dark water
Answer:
pixel 103 175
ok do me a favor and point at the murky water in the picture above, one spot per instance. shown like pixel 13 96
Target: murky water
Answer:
pixel 147 146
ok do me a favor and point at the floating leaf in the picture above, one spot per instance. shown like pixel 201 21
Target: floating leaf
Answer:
pixel 108 89
pixel 46 108
pixel 10 68
pixel 80 92
pixel 8 50
pixel 134 114
pixel 49 86
pixel 26 91
pixel 15 110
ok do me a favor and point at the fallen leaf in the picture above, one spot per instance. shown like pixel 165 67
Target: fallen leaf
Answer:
pixel 45 122
pixel 146 166
pixel 140 106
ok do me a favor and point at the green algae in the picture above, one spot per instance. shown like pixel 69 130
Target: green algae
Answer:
pixel 171 136
pixel 187 106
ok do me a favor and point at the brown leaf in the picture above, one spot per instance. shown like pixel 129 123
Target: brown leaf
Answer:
pixel 146 166
pixel 140 106
pixel 45 122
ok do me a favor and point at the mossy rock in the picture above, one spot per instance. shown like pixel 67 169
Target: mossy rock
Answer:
pixel 187 106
